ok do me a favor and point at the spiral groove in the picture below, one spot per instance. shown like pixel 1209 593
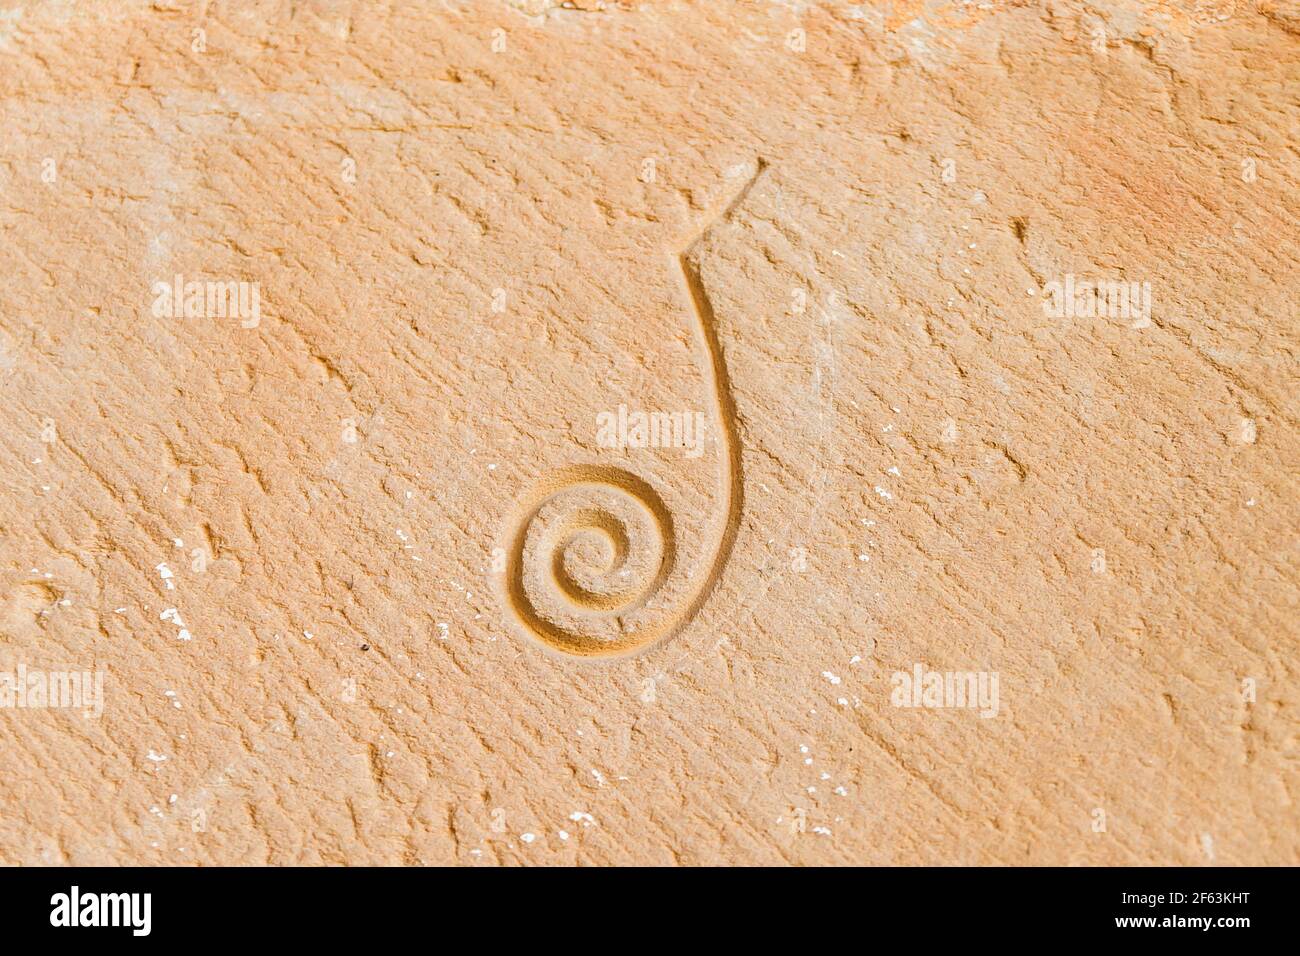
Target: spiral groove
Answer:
pixel 595 545
pixel 594 548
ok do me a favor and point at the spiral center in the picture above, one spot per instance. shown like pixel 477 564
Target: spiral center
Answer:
pixel 592 554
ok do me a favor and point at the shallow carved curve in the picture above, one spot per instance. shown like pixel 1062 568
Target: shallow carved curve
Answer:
pixel 587 529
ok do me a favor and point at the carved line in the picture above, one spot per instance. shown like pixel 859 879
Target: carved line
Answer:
pixel 620 480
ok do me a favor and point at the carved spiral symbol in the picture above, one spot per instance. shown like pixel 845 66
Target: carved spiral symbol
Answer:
pixel 594 550
pixel 595 544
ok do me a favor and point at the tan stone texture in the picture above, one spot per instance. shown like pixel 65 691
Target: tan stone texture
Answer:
pixel 366 584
